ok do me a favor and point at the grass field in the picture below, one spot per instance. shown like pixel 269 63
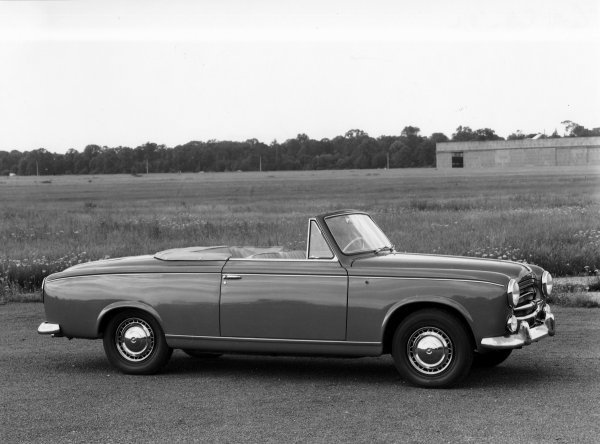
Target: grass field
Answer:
pixel 549 217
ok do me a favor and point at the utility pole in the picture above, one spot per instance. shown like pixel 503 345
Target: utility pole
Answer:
pixel 388 160
pixel 146 167
pixel 37 170
pixel 260 163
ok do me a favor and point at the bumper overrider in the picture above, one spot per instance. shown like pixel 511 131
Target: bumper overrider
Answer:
pixel 525 335
pixel 48 328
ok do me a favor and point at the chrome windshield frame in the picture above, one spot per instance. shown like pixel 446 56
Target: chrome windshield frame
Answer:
pixel 379 233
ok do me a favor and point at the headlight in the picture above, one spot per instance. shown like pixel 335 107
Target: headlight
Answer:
pixel 513 293
pixel 547 283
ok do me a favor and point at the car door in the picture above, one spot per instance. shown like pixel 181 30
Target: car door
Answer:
pixel 302 299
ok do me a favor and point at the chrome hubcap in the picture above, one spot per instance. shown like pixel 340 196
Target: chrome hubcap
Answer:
pixel 134 339
pixel 430 350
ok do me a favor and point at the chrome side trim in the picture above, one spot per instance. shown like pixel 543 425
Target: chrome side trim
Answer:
pixel 334 259
pixel 48 328
pixel 270 273
pixel 425 278
pixel 272 340
pixel 135 273
pixel 244 345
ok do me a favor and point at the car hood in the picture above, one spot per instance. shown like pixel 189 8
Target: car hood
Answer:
pixel 436 266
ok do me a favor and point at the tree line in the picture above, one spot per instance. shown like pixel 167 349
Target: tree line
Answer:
pixel 355 149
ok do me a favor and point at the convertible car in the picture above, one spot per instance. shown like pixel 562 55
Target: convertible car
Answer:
pixel 349 294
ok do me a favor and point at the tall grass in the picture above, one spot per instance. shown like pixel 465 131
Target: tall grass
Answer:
pixel 544 217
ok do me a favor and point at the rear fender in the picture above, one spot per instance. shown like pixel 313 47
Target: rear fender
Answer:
pixel 125 305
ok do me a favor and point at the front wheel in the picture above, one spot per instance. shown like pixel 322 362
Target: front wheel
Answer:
pixel 135 343
pixel 432 348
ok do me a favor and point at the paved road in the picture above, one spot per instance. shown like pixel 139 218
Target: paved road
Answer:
pixel 55 390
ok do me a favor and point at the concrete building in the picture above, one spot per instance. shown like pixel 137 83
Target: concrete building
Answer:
pixel 567 151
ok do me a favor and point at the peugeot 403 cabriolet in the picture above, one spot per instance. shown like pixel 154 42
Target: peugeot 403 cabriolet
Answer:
pixel 348 294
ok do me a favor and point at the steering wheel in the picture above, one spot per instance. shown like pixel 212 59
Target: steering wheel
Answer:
pixel 356 239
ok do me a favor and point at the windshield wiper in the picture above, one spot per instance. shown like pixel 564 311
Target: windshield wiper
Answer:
pixel 389 248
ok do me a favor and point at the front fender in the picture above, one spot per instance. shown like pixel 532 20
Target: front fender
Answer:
pixel 374 302
pixel 415 303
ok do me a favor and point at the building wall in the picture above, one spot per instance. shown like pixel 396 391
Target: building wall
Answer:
pixel 568 151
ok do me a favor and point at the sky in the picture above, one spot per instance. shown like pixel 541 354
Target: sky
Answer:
pixel 74 73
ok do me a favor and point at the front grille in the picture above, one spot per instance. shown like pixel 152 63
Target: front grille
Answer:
pixel 530 300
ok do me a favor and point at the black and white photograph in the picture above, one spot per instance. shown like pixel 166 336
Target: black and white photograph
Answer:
pixel 299 222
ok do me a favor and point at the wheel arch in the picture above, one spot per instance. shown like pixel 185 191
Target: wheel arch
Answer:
pixel 399 312
pixel 117 307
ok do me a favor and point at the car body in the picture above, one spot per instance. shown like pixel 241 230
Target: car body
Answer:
pixel 348 294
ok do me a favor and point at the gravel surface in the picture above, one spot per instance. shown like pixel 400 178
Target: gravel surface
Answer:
pixel 56 390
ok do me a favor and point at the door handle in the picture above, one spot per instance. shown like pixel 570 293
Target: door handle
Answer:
pixel 231 277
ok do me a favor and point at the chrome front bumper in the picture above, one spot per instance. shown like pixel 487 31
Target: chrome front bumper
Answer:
pixel 47 328
pixel 525 336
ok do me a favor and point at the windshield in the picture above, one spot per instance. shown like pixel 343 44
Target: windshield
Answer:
pixel 357 233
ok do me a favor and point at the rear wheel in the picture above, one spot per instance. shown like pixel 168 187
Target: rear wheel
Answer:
pixel 491 358
pixel 135 343
pixel 432 348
